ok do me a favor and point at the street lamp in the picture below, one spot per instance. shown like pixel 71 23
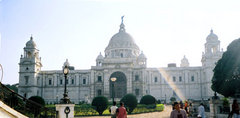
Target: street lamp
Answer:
pixel 56 99
pixel 113 79
pixel 165 99
pixel 65 99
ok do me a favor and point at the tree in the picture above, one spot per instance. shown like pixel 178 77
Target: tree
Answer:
pixel 13 87
pixel 130 102
pixel 147 100
pixel 34 108
pixel 226 78
pixel 100 103
pixel 172 99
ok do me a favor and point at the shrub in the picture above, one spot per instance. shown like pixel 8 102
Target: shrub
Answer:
pixel 38 100
pixel 172 99
pixel 225 102
pixel 147 100
pixel 130 102
pixel 100 103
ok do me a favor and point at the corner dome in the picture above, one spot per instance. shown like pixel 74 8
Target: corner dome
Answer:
pixel 184 62
pixel 31 43
pixel 100 57
pixel 212 37
pixel 142 56
pixel 66 63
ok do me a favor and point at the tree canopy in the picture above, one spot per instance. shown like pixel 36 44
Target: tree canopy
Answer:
pixel 130 102
pixel 100 103
pixel 226 78
pixel 148 99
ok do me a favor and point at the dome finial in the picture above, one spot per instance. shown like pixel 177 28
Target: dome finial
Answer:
pixel 122 26
pixel 211 31
pixel 31 38
pixel 122 19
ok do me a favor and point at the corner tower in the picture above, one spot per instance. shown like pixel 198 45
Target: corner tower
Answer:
pixel 29 67
pixel 209 59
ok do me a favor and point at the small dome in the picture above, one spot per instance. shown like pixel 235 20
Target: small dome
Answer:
pixel 31 43
pixel 100 57
pixel 142 56
pixel 184 62
pixel 212 37
pixel 66 63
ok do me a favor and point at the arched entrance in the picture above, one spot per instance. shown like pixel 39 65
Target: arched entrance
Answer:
pixel 120 85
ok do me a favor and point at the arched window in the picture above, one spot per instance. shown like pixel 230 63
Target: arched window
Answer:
pixel 84 81
pixel 99 92
pixel 174 78
pixel 29 54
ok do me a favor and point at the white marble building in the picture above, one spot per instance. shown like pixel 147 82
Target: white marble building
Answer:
pixel 123 60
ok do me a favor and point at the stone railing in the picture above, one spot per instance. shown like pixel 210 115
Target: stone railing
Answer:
pixel 21 104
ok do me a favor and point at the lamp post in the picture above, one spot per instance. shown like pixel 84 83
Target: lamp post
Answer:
pixel 165 99
pixel 113 79
pixel 56 99
pixel 65 99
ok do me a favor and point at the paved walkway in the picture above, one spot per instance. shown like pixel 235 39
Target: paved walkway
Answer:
pixel 163 114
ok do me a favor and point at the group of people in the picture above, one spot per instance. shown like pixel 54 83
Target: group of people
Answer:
pixel 183 111
pixel 118 112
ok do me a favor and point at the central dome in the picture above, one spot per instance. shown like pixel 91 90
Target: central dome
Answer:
pixel 122 45
pixel 122 40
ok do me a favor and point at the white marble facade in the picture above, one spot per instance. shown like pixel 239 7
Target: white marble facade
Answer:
pixel 124 61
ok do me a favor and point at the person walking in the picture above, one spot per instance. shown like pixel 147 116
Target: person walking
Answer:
pixel 235 109
pixel 201 111
pixel 178 112
pixel 121 111
pixel 113 110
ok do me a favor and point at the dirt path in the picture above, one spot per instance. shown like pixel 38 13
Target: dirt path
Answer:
pixel 163 114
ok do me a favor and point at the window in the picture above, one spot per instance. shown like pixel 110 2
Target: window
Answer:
pixel 99 78
pixel 50 82
pixel 136 77
pixel 66 81
pixel 99 92
pixel 61 81
pixel 192 78
pixel 180 79
pixel 84 81
pixel 137 92
pixel 121 55
pixel 26 79
pixel 72 81
pixel 155 79
pixel 174 93
pixel 174 78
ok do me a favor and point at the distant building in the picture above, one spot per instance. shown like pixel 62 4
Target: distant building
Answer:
pixel 123 60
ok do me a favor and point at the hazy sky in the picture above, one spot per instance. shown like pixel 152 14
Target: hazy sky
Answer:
pixel 165 30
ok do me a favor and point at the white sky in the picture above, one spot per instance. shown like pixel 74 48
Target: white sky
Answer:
pixel 165 30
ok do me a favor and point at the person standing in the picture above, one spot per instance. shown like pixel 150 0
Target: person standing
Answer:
pixel 201 111
pixel 235 109
pixel 113 110
pixel 186 106
pixel 177 112
pixel 121 111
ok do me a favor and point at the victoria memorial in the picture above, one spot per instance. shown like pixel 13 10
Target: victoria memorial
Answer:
pixel 123 60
